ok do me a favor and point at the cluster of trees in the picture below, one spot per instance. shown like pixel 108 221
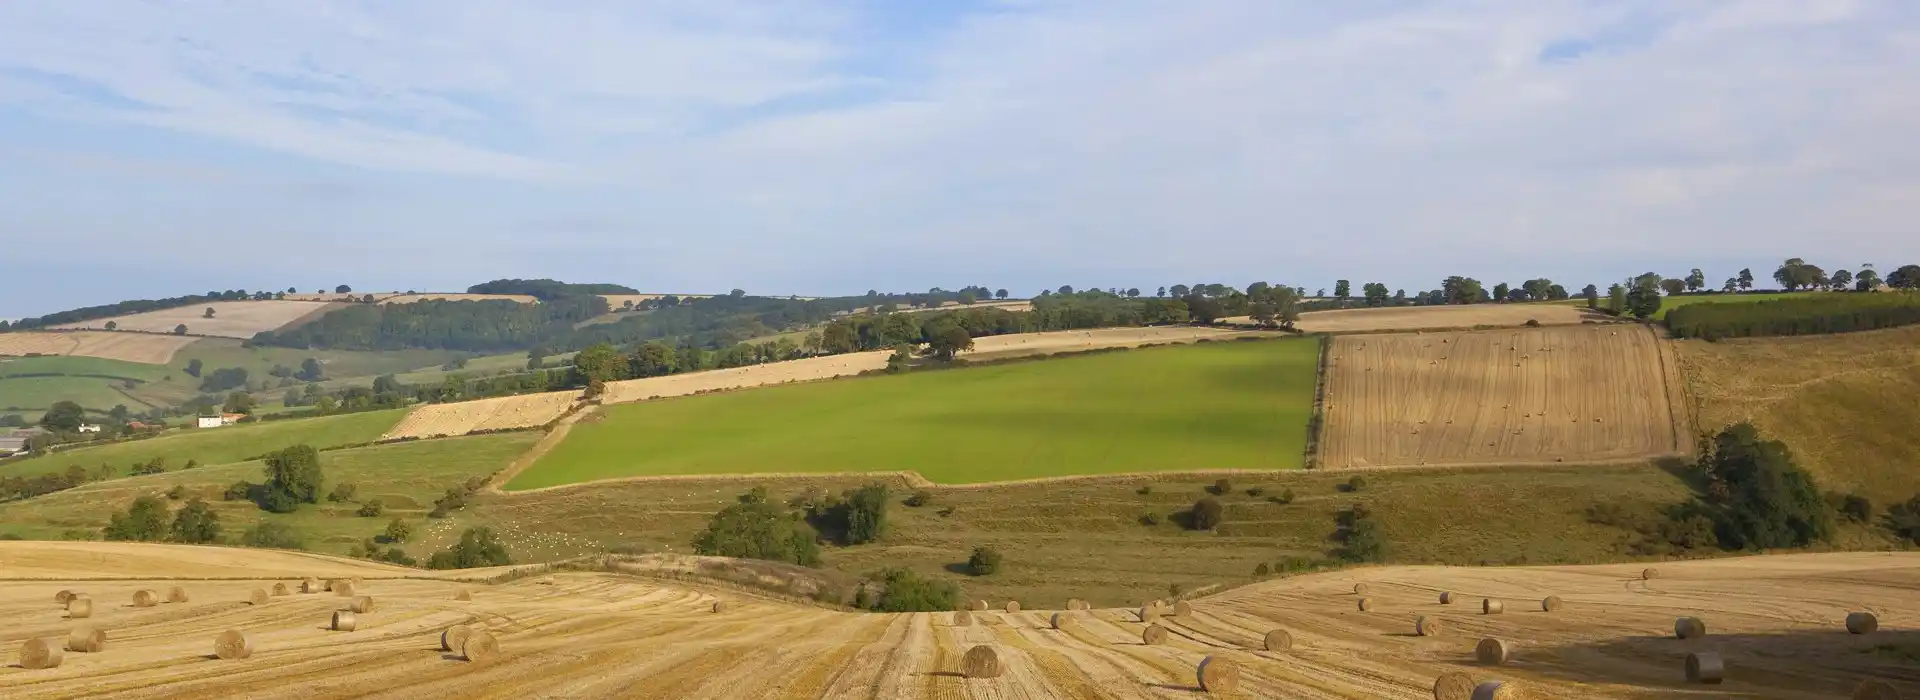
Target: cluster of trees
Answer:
pixel 478 547
pixel 1795 316
pixel 1361 537
pixel 294 476
pixel 133 306
pixel 547 289
pixel 757 528
pixel 147 520
pixel 14 487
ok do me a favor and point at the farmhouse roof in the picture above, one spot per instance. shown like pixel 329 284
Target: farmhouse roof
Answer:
pixel 10 445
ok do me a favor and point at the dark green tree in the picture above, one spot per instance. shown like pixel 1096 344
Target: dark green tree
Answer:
pixel 144 521
pixel 906 591
pixel 1907 278
pixel 985 561
pixel 195 523
pixel 1342 289
pixel 398 531
pixel 477 548
pixel 1500 292
pixel 293 477
pixel 948 340
pixel 867 513
pixel 759 531
pixel 1760 498
pixel 273 535
pixel 1592 293
pixel 1207 514
pixel 63 416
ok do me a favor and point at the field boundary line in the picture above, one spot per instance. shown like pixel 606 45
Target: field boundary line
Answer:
pixel 539 449
pixel 1317 420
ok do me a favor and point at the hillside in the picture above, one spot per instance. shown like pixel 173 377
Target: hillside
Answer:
pixel 1776 621
pixel 210 446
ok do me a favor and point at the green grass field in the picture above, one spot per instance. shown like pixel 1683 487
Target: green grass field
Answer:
pixel 406 477
pixel 1239 405
pixel 1670 303
pixel 94 383
pixel 211 446
pixel 216 353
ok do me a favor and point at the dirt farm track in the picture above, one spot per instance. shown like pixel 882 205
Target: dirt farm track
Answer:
pixel 1777 622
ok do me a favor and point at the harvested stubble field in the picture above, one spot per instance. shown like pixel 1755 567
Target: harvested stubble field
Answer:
pixel 1776 621
pixel 1521 396
pixel 231 319
pixel 503 413
pixel 1239 405
pixel 416 298
pixel 1408 318
pixel 832 366
pixel 1843 403
pixel 355 297
pixel 145 348
pixel 619 300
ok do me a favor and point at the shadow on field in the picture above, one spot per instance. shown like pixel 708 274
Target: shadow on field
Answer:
pixel 1825 662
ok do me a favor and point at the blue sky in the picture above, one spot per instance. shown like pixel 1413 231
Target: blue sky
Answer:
pixel 809 146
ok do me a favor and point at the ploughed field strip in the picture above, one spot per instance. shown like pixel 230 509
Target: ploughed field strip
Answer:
pixel 1504 396
pixel 1775 626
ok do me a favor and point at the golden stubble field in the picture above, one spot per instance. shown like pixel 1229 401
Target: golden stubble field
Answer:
pixel 231 319
pixel 1776 622
pixel 1439 317
pixel 1530 395
pixel 146 348
pixel 503 413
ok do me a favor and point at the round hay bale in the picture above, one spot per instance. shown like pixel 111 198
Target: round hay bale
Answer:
pixel 362 604
pixel 1551 603
pixel 963 619
pixel 176 594
pixel 86 640
pixel 1366 605
pixel 1689 628
pixel 1360 589
pixel 79 607
pixel 719 606
pixel 1153 634
pixel 63 596
pixel 1866 690
pixel 479 646
pixel 344 621
pixel 280 589
pixel 1183 609
pixel 1496 690
pixel 1862 623
pixel 1428 626
pixel 1061 620
pixel 310 585
pixel 1218 674
pixel 1493 652
pixel 1705 667
pixel 40 652
pixel 1649 574
pixel 344 589
pixel 1158 603
pixel 452 638
pixel 259 596
pixel 1013 606
pixel 463 595
pixel 145 598
pixel 333 583
pixel 1075 604
pixel 233 644
pixel 979 605
pixel 980 662
pixel 1492 607
pixel 1446 597
pixel 1453 686
pixel 1149 613
pixel 358 583
pixel 1278 640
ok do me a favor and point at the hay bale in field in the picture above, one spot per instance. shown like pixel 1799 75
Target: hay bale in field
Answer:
pixel 1278 640
pixel 453 637
pixel 310 585
pixel 719 606
pixel 1453 686
pixel 1218 674
pixel 1061 620
pixel 1149 613
pixel 79 607
pixel 232 644
pixel 1648 574
pixel 358 583
pixel 1493 652
pixel 334 582
pixel 344 621
pixel 1360 589
pixel 362 604
pixel 1366 605
pixel 1074 603
pixel 86 640
pixel 979 605
pixel 280 589
pixel 1705 667
pixel 1446 597
pixel 1013 606
pixel 963 619
pixel 1496 690
pixel 1492 607
pixel 40 652
pixel 63 596
pixel 1153 634
pixel 344 589
pixel 1875 690
pixel 1428 626
pixel 1183 609
pixel 462 595
pixel 1862 623
pixel 1689 628
pixel 145 598
pixel 980 662
pixel 479 646
pixel 259 597
pixel 176 594
pixel 1551 603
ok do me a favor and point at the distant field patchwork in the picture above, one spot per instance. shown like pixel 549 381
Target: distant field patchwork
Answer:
pixel 210 446
pixel 231 319
pixel 1222 405
pixel 131 347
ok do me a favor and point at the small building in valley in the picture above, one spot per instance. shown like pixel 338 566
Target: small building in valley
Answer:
pixel 89 428
pixel 210 422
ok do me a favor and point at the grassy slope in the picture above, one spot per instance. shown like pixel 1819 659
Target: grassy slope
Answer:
pixel 216 353
pixel 406 477
pixel 1084 538
pixel 1844 403
pixel 216 445
pixel 101 391
pixel 1213 406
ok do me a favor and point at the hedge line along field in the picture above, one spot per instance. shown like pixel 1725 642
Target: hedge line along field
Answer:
pixel 209 446
pixel 1520 396
pixel 1233 405
pixel 1813 315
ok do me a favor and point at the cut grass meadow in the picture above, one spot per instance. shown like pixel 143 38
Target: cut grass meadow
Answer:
pixel 1237 405
pixel 210 446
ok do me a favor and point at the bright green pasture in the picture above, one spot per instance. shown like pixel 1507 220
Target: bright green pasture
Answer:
pixel 1224 405
pixel 210 446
